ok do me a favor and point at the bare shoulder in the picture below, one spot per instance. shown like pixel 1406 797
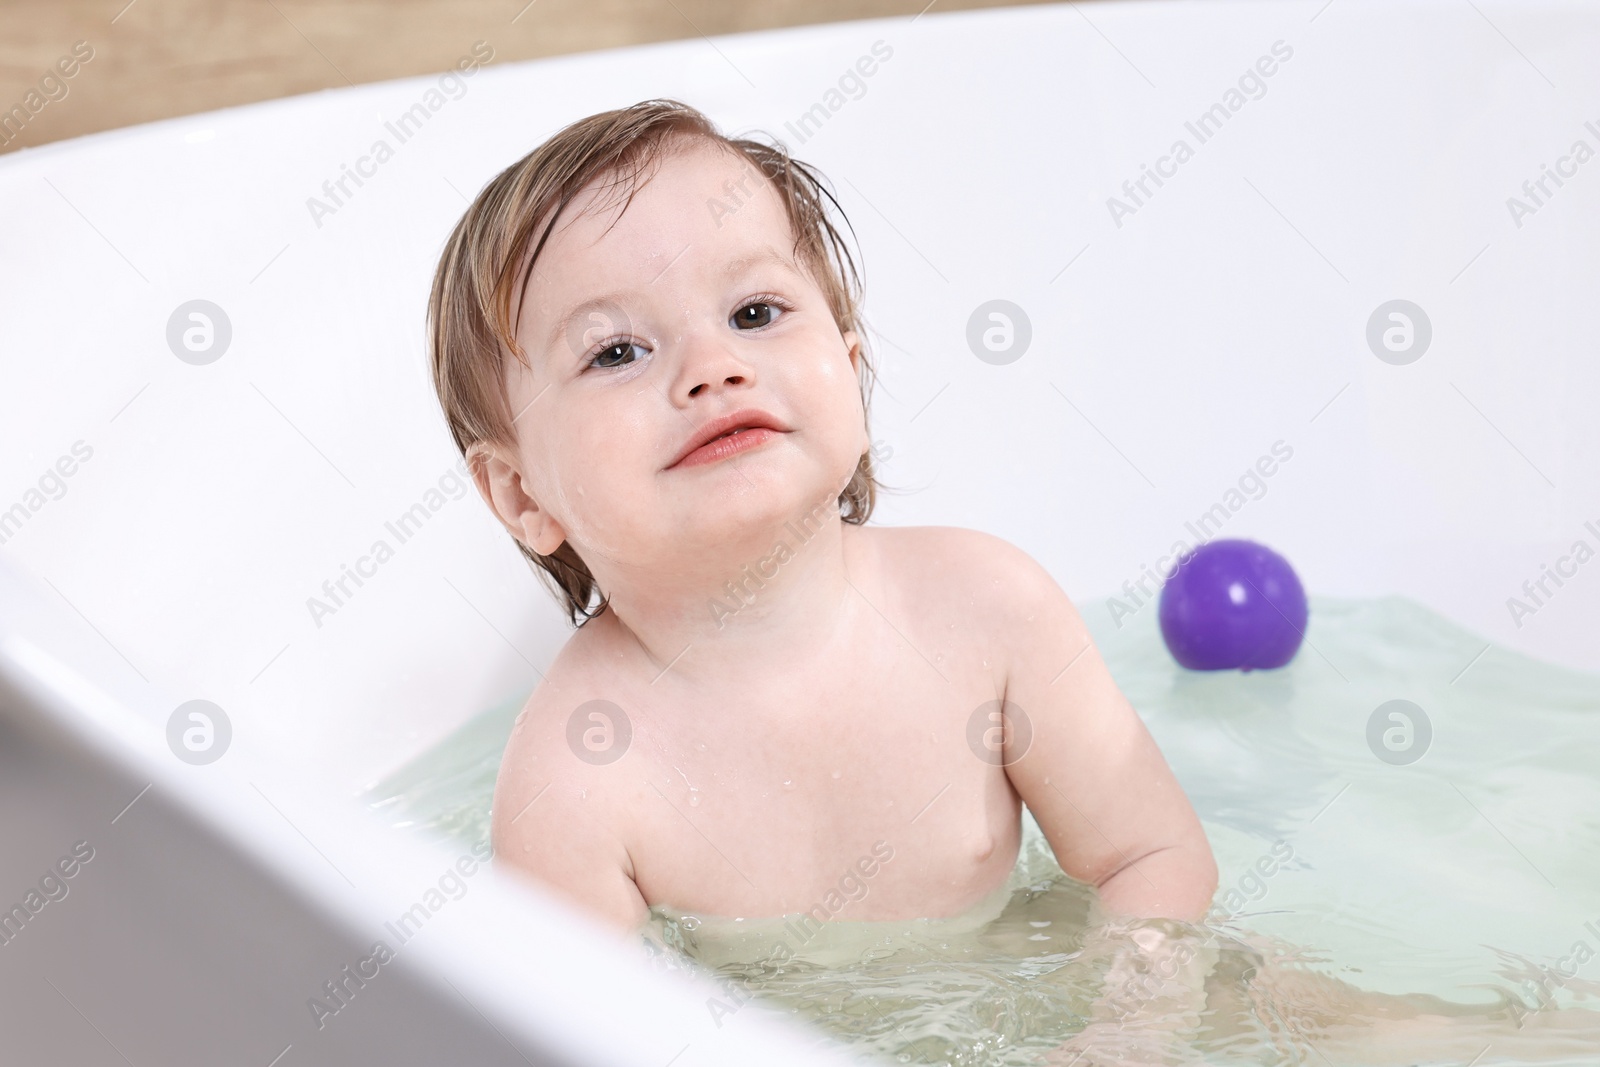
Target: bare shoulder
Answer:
pixel 542 778
pixel 970 569
pixel 557 814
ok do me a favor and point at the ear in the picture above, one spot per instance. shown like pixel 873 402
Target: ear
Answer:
pixel 852 342
pixel 497 472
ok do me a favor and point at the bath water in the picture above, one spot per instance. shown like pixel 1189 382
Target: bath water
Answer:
pixel 1446 862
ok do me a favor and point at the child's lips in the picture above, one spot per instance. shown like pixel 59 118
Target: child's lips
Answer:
pixel 731 445
pixel 729 435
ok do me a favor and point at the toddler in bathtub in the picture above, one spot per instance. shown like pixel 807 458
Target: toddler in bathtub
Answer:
pixel 647 342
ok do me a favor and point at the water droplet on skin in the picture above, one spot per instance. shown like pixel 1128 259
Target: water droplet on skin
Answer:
pixel 583 794
pixel 788 783
pixel 701 746
pixel 837 774
pixel 694 801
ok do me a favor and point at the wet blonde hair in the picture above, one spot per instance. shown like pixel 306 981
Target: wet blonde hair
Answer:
pixel 471 321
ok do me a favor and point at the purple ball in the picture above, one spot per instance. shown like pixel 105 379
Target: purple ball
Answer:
pixel 1233 604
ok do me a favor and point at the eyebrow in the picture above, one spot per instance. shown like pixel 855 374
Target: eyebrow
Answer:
pixel 755 259
pixel 732 269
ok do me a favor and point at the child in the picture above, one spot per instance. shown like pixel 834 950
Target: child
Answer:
pixel 646 342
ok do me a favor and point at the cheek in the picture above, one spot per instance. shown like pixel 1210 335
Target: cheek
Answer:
pixel 849 410
pixel 592 468
pixel 829 388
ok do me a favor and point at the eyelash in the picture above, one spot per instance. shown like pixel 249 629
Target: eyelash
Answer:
pixel 767 298
pixel 760 298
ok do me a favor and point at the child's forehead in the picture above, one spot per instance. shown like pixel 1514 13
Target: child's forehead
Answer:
pixel 695 192
pixel 702 212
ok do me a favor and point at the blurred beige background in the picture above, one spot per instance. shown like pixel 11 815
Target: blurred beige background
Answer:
pixel 154 59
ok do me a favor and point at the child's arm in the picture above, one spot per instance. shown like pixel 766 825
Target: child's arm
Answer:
pixel 1092 774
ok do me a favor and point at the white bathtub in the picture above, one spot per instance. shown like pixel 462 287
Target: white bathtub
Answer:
pixel 1177 335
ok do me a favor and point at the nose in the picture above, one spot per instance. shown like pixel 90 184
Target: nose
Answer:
pixel 709 366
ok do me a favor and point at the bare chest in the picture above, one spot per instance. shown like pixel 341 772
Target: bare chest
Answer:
pixel 868 799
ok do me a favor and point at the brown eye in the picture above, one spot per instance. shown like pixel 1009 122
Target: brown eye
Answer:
pixel 614 355
pixel 754 316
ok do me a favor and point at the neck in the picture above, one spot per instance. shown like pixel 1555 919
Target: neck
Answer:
pixel 755 606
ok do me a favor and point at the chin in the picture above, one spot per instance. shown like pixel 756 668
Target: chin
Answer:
pixel 762 497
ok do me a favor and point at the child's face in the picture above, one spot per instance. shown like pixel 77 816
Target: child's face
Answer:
pixel 639 331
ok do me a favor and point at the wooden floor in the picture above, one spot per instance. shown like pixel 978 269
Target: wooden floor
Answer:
pixel 154 59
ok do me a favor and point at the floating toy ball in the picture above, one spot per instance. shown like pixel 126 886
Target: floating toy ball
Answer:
pixel 1233 604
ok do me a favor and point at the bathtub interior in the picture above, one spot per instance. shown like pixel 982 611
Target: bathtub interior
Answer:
pixel 1227 314
pixel 1176 338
